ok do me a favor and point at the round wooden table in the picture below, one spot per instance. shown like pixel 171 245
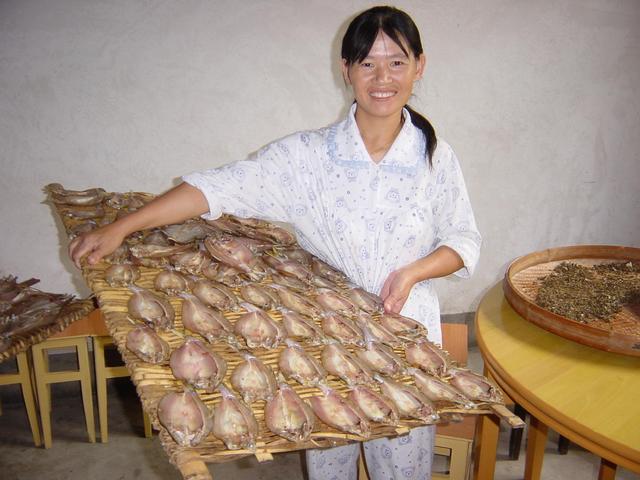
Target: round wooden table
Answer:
pixel 590 396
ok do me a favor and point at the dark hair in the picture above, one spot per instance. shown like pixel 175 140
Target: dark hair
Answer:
pixel 362 33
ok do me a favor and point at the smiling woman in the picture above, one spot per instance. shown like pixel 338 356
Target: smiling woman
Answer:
pixel 374 195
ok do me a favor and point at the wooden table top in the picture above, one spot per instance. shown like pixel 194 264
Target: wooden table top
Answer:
pixel 590 396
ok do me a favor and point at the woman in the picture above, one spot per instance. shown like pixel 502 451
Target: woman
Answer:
pixel 375 195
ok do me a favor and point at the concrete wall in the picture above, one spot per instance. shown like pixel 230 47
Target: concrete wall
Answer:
pixel 540 100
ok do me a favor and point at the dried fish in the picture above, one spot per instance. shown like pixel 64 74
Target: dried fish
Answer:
pixel 410 402
pixel 376 331
pixel 427 357
pixel 186 417
pixel 93 211
pixel 295 253
pixel 296 363
pixel 253 379
pixel 196 364
pixel 369 302
pixel 380 358
pixel 474 386
pixel 340 362
pixel 332 301
pixel 81 228
pixel 147 345
pixel 398 324
pixel 289 282
pixel 188 231
pixel 234 423
pixel 438 391
pixel 156 237
pixel 150 308
pixel 143 250
pixel 297 302
pixel 121 275
pixel 119 255
pixel 341 328
pixel 338 413
pixel 219 272
pixel 373 405
pixel 289 267
pixel 287 415
pixel 258 328
pixel 324 270
pixel 191 261
pixel 227 249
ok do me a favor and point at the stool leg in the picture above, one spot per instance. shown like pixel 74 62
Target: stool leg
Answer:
pixel 42 388
pixel 515 438
pixel 147 424
pixel 87 395
pixel 101 387
pixel 563 445
pixel 29 400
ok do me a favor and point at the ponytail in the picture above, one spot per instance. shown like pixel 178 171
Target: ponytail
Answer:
pixel 429 133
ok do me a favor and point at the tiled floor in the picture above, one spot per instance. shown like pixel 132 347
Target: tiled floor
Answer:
pixel 129 455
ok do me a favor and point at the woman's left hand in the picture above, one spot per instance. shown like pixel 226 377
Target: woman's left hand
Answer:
pixel 396 289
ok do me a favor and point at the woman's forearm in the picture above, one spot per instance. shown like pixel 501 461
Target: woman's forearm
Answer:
pixel 441 262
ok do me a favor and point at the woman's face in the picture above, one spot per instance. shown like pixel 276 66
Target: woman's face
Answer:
pixel 383 81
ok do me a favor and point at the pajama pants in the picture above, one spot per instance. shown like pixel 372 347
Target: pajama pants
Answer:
pixel 409 456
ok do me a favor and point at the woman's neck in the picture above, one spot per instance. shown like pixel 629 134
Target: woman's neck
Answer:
pixel 378 134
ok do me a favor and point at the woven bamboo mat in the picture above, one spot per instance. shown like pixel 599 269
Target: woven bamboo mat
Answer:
pixel 154 381
pixel 69 313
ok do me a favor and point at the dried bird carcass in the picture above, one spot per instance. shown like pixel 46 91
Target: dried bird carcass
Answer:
pixel 334 302
pixel 474 386
pixel 170 282
pixel 197 365
pixel 147 345
pixel 234 422
pixel 258 328
pixel 297 302
pixel 59 195
pixel 373 406
pixel 410 402
pixel 121 275
pixel 438 391
pixel 150 308
pixel 338 413
pixel 427 357
pixel 299 327
pixel 399 324
pixel 379 358
pixel 341 328
pixel 287 415
pixel 296 363
pixel 186 417
pixel 338 361
pixel 253 379
pixel 376 331
pixel 369 302
pixel 260 296
pixel 215 294
pixel 229 250
pixel 209 323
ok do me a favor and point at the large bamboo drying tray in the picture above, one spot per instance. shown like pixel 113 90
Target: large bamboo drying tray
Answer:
pixel 69 313
pixel 154 381
pixel 619 334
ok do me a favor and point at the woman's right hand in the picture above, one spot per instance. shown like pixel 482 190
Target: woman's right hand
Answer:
pixel 96 244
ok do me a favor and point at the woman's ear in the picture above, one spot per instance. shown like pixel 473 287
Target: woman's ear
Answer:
pixel 421 64
pixel 345 72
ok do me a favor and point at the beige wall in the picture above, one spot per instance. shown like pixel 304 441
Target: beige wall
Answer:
pixel 540 100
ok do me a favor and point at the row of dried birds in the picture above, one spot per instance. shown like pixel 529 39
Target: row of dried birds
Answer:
pixel 215 267
pixel 24 309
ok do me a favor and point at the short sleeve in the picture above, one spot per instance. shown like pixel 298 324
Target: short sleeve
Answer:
pixel 456 225
pixel 259 186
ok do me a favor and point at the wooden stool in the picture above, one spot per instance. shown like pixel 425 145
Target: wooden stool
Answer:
pixel 24 378
pixel 103 373
pixel 44 378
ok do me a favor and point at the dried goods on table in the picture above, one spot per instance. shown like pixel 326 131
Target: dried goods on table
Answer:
pixel 287 415
pixel 185 417
pixel 253 379
pixel 147 345
pixel 338 413
pixel 198 365
pixel 234 423
pixel 294 362
pixel 585 293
